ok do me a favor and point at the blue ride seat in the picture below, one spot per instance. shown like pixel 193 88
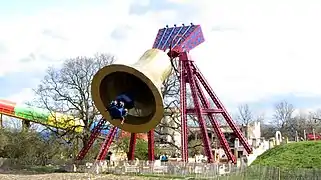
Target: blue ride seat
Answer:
pixel 116 110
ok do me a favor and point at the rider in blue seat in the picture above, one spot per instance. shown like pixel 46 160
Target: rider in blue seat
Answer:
pixel 118 109
pixel 114 110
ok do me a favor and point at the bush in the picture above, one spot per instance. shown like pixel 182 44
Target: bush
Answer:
pixel 30 148
pixel 141 149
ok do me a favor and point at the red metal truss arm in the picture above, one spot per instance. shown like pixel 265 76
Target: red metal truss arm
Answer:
pixel 225 114
pixel 184 144
pixel 215 124
pixel 92 138
pixel 191 80
pixel 106 144
pixel 205 111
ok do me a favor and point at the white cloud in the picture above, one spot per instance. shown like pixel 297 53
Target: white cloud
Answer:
pixel 143 2
pixel 24 96
pixel 274 51
pixel 271 47
pixel 83 32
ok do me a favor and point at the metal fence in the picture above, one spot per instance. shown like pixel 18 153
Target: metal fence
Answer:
pixel 171 169
pixel 200 171
pixel 272 173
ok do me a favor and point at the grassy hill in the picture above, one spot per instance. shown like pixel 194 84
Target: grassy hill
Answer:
pixel 293 155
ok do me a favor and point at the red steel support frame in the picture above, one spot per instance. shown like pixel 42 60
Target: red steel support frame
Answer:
pixel 183 105
pixel 223 111
pixel 132 146
pixel 106 144
pixel 92 138
pixel 151 145
pixel 109 139
pixel 189 73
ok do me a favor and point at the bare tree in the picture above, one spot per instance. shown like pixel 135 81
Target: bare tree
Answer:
pixel 170 125
pixel 313 121
pixel 267 129
pixel 283 115
pixel 67 90
pixel 302 122
pixel 245 115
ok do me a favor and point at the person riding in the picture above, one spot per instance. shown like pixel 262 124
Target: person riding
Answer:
pixel 118 109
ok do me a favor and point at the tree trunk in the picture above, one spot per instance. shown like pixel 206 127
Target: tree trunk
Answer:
pixel 85 139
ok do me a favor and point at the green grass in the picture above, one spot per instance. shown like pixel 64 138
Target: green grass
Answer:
pixel 162 176
pixel 42 169
pixel 292 156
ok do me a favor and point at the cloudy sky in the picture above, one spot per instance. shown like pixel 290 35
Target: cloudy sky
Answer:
pixel 256 51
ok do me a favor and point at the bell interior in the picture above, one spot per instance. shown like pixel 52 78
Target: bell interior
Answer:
pixel 117 83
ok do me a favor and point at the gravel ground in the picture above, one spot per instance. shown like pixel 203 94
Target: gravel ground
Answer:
pixel 67 176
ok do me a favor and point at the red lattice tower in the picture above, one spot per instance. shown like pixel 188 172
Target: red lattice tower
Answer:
pixel 181 40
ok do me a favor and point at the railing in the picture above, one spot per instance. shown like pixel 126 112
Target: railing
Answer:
pixel 170 169
pixel 199 170
pixel 275 173
pixel 178 169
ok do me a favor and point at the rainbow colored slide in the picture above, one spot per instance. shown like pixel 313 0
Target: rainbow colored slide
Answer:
pixel 41 116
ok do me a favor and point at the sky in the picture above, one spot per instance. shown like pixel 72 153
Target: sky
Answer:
pixel 255 51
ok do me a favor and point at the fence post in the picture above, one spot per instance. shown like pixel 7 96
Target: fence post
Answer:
pixel 279 174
